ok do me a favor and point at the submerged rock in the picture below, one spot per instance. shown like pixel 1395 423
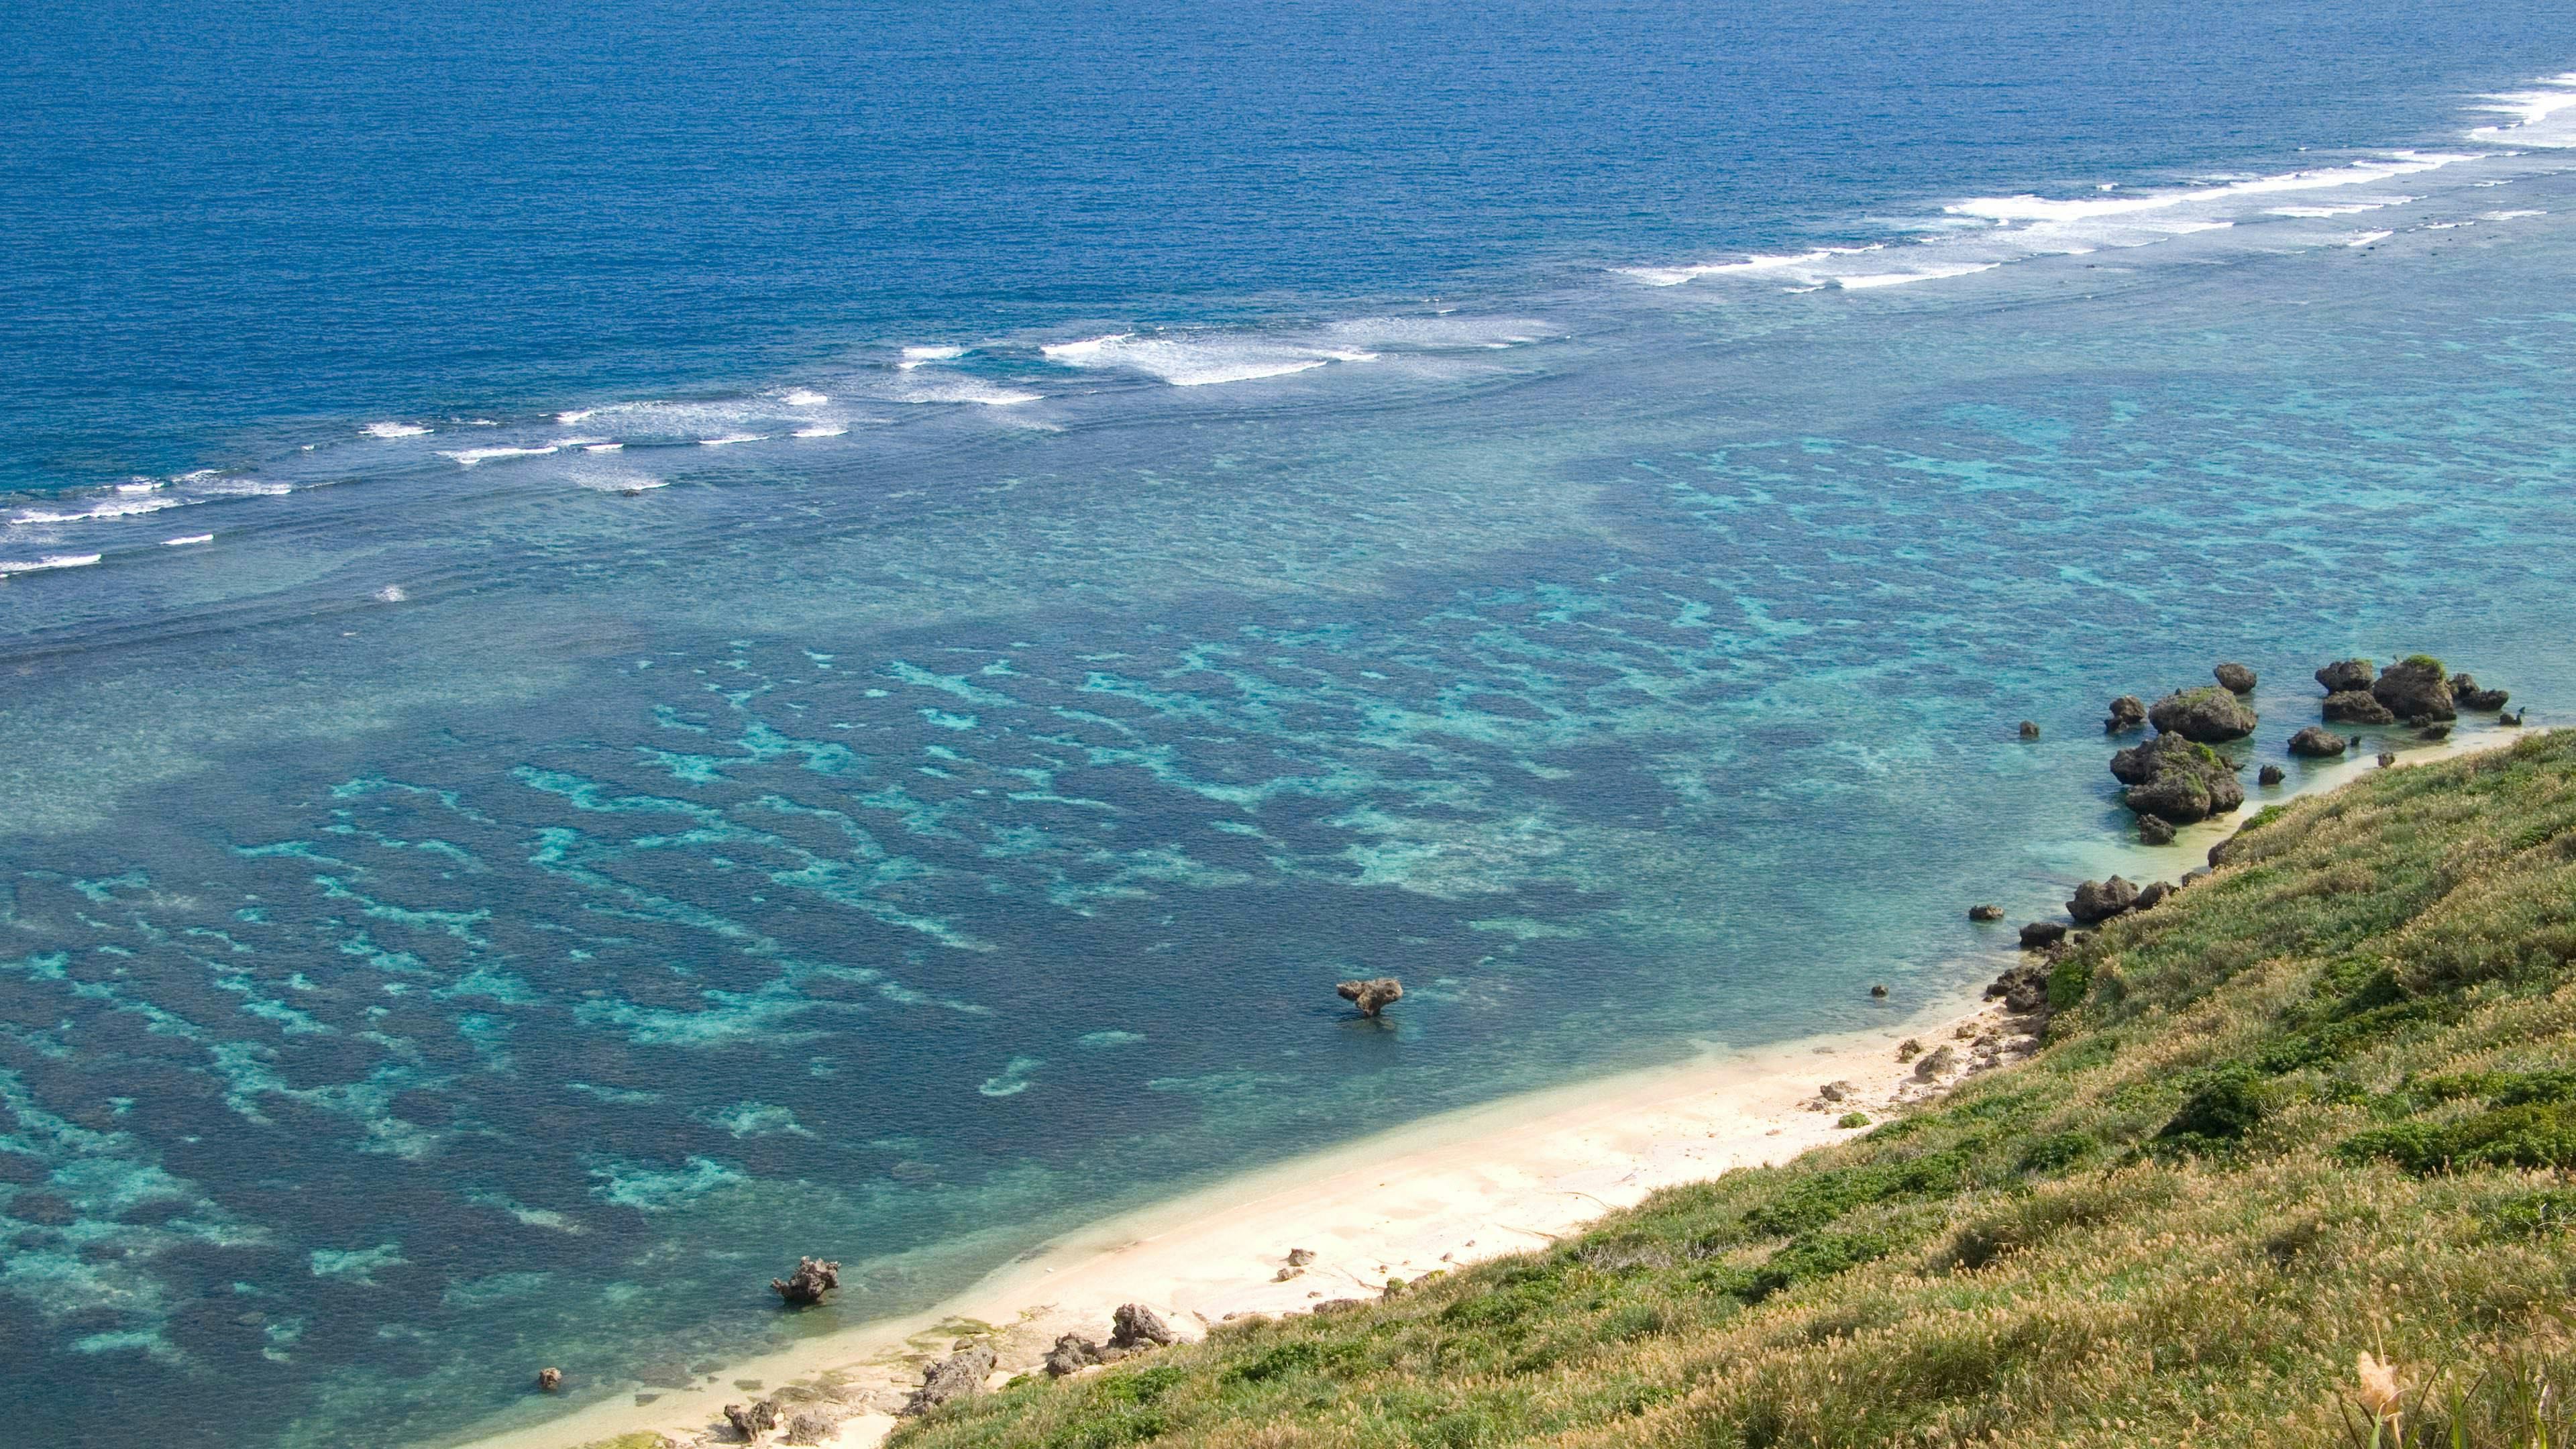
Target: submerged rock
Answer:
pixel 2346 674
pixel 806 1286
pixel 955 1377
pixel 2355 706
pixel 2415 688
pixel 2270 775
pixel 2317 743
pixel 2127 713
pixel 2100 900
pixel 2038 934
pixel 2235 678
pixel 1371 996
pixel 2207 714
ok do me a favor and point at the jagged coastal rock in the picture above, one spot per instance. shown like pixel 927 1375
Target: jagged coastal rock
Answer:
pixel 2127 713
pixel 2235 678
pixel 1136 1326
pixel 2416 689
pixel 954 1377
pixel 2270 775
pixel 2040 934
pixel 2356 706
pixel 2100 900
pixel 2345 676
pixel 749 1423
pixel 1371 996
pixel 1985 913
pixel 2208 714
pixel 549 1379
pixel 2317 743
pixel 806 1286
pixel 2178 780
pixel 2155 830
pixel 2466 694
pixel 1071 1355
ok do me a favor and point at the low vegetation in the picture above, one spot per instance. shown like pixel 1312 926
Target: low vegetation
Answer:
pixel 2290 1171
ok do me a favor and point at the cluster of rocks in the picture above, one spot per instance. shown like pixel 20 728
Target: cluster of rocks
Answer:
pixel 1133 1329
pixel 2176 778
pixel 754 1422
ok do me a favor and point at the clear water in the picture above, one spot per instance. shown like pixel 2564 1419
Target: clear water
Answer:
pixel 537 865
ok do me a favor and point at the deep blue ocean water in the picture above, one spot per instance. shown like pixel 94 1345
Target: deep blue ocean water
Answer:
pixel 639 639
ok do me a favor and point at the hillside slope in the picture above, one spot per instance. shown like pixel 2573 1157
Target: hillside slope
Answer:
pixel 2318 1105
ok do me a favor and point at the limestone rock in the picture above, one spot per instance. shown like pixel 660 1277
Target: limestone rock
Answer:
pixel 2415 688
pixel 1134 1325
pixel 1985 913
pixel 1072 1354
pixel 2465 693
pixel 2270 775
pixel 2344 675
pixel 812 1426
pixel 2155 830
pixel 750 1423
pixel 2386 759
pixel 806 1286
pixel 1371 996
pixel 2127 713
pixel 2177 779
pixel 1940 1060
pixel 2317 743
pixel 550 1379
pixel 2434 732
pixel 2029 730
pixel 955 1377
pixel 2037 934
pixel 2152 895
pixel 2207 714
pixel 2355 706
pixel 1300 1257
pixel 2101 900
pixel 2235 678
pixel 2023 989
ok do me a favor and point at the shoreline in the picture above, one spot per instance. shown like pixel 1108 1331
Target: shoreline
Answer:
pixel 1445 1191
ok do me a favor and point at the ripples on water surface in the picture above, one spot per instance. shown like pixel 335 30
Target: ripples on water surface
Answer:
pixel 501 862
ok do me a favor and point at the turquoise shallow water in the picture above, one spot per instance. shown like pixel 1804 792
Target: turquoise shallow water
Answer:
pixel 550 857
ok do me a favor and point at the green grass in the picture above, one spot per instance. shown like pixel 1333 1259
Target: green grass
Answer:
pixel 2320 1104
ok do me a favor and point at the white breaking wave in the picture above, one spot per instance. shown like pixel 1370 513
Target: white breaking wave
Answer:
pixel 391 594
pixel 2537 114
pixel 189 539
pixel 1197 361
pixel 626 483
pixel 805 397
pixel 729 439
pixel 1898 279
pixel 915 356
pixel 601 447
pixel 959 389
pixel 394 430
pixel 1800 262
pixel 2365 238
pixel 822 430
pixel 472 456
pixel 570 416
pixel 48 563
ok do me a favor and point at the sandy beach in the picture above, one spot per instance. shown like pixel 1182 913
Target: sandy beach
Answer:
pixel 1436 1194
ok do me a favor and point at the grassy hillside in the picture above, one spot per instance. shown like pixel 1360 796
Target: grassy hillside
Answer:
pixel 2318 1105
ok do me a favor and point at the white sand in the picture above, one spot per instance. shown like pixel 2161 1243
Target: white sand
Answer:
pixel 1436 1194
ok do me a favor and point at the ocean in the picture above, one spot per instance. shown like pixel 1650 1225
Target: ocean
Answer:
pixel 639 640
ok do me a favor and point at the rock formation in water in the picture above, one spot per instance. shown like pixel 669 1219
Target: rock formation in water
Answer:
pixel 806 1286
pixel 2127 713
pixel 2038 934
pixel 955 1377
pixel 2029 729
pixel 2346 675
pixel 1985 913
pixel 549 1379
pixel 2235 678
pixel 1371 996
pixel 2155 830
pixel 2356 706
pixel 2100 900
pixel 2177 779
pixel 2270 775
pixel 2208 714
pixel 2416 690
pixel 2466 694
pixel 2317 743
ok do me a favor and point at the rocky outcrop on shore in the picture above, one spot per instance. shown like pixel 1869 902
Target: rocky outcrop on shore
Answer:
pixel 2317 743
pixel 2209 714
pixel 954 1377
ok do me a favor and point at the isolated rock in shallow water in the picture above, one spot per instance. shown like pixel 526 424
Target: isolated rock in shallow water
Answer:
pixel 550 1379
pixel 2177 779
pixel 1985 913
pixel 2127 713
pixel 806 1286
pixel 2415 688
pixel 2029 730
pixel 2434 732
pixel 1072 1354
pixel 2345 675
pixel 2100 900
pixel 2270 775
pixel 1372 996
pixel 2466 694
pixel 1135 1324
pixel 2235 678
pixel 2357 706
pixel 2041 933
pixel 955 1377
pixel 2207 714
pixel 2155 830
pixel 2317 743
